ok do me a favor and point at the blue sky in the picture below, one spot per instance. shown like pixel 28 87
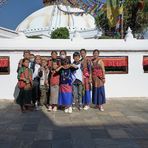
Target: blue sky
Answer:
pixel 14 11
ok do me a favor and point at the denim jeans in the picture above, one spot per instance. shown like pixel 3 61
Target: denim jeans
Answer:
pixel 77 88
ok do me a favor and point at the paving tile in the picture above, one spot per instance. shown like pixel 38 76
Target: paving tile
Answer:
pixel 8 144
pixel 42 144
pixel 25 135
pixel 44 135
pixel 112 143
pixel 143 143
pixel 81 143
pixel 116 114
pixel 122 125
pixel 61 135
pixel 5 145
pixel 117 133
pixel 137 120
pixel 62 144
pixel 99 133
pixel 30 127
pixel 136 133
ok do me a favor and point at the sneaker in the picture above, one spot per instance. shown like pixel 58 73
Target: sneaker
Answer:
pixel 36 106
pixel 86 107
pixel 73 107
pixel 49 108
pixel 80 108
pixel 70 110
pixel 66 110
pixel 101 109
pixel 55 109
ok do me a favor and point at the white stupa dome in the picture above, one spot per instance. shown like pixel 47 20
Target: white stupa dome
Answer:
pixel 44 21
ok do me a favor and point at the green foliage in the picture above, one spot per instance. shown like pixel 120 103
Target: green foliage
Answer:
pixel 60 33
pixel 102 22
pixel 133 17
pixel 105 37
pixel 108 36
pixel 34 37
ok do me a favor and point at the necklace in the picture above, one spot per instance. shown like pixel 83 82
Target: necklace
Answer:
pixel 65 74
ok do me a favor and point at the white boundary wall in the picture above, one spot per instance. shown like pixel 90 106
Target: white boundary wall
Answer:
pixel 133 84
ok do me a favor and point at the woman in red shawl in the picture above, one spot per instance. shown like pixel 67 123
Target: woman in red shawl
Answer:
pixel 25 85
pixel 98 80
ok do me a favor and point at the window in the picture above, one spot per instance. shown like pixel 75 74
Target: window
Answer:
pixel 4 65
pixel 115 64
pixel 145 64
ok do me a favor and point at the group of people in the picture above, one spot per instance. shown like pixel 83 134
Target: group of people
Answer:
pixel 57 83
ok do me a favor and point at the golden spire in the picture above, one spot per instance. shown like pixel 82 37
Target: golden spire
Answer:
pixel 49 2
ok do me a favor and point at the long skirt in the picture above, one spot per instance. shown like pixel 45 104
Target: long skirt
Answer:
pixel 98 95
pixel 65 95
pixel 36 90
pixel 87 95
pixel 54 94
pixel 24 97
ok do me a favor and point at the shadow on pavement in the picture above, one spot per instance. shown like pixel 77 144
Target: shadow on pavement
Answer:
pixel 124 124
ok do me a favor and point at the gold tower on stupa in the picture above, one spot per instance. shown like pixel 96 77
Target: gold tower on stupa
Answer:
pixel 74 3
pixel 49 2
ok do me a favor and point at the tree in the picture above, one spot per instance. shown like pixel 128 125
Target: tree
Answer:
pixel 135 15
pixel 60 33
pixel 102 22
pixel 2 2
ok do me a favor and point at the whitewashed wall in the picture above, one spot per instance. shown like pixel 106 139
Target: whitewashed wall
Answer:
pixel 133 84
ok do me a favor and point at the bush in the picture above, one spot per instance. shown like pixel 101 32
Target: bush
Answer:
pixel 60 33
pixel 34 37
pixel 105 37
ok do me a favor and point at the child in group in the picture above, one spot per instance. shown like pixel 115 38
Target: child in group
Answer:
pixel 78 82
pixel 54 79
pixel 65 91
pixel 86 68
pixel 44 86
pixel 53 58
pixel 25 85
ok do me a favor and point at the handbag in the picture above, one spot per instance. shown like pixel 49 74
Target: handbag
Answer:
pixel 21 84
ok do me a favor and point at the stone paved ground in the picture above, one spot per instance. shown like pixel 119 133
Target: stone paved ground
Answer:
pixel 124 124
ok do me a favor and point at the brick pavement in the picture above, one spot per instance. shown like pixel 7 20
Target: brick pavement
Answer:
pixel 124 124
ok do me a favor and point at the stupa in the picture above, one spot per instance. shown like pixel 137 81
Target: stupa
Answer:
pixel 57 14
